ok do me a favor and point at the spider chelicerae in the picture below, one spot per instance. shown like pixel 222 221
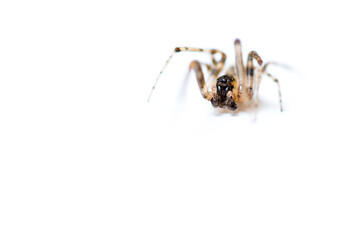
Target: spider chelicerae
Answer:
pixel 235 90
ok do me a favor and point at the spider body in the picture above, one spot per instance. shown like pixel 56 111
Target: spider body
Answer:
pixel 238 87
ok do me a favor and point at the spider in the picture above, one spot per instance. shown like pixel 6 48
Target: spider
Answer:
pixel 238 88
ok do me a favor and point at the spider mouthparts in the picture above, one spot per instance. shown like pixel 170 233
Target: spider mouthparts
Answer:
pixel 232 106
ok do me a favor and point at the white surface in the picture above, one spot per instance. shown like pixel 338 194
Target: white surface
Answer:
pixel 83 156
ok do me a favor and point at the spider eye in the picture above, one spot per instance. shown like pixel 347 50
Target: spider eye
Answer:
pixel 222 90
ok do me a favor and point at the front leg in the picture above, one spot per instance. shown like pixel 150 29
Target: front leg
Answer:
pixel 195 65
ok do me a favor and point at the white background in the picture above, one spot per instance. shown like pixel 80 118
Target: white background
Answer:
pixel 84 156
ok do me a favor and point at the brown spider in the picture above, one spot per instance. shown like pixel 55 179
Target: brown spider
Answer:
pixel 237 88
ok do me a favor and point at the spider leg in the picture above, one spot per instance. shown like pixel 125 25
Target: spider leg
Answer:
pixel 250 70
pixel 217 65
pixel 278 84
pixel 196 66
pixel 239 65
pixel 209 67
pixel 215 70
pixel 275 63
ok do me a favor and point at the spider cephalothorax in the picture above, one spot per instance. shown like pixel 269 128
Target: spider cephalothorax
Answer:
pixel 223 95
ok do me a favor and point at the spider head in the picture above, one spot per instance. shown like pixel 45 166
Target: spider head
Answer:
pixel 224 97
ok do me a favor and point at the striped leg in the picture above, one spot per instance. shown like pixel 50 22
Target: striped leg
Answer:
pixel 278 84
pixel 195 65
pixel 215 70
pixel 250 70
